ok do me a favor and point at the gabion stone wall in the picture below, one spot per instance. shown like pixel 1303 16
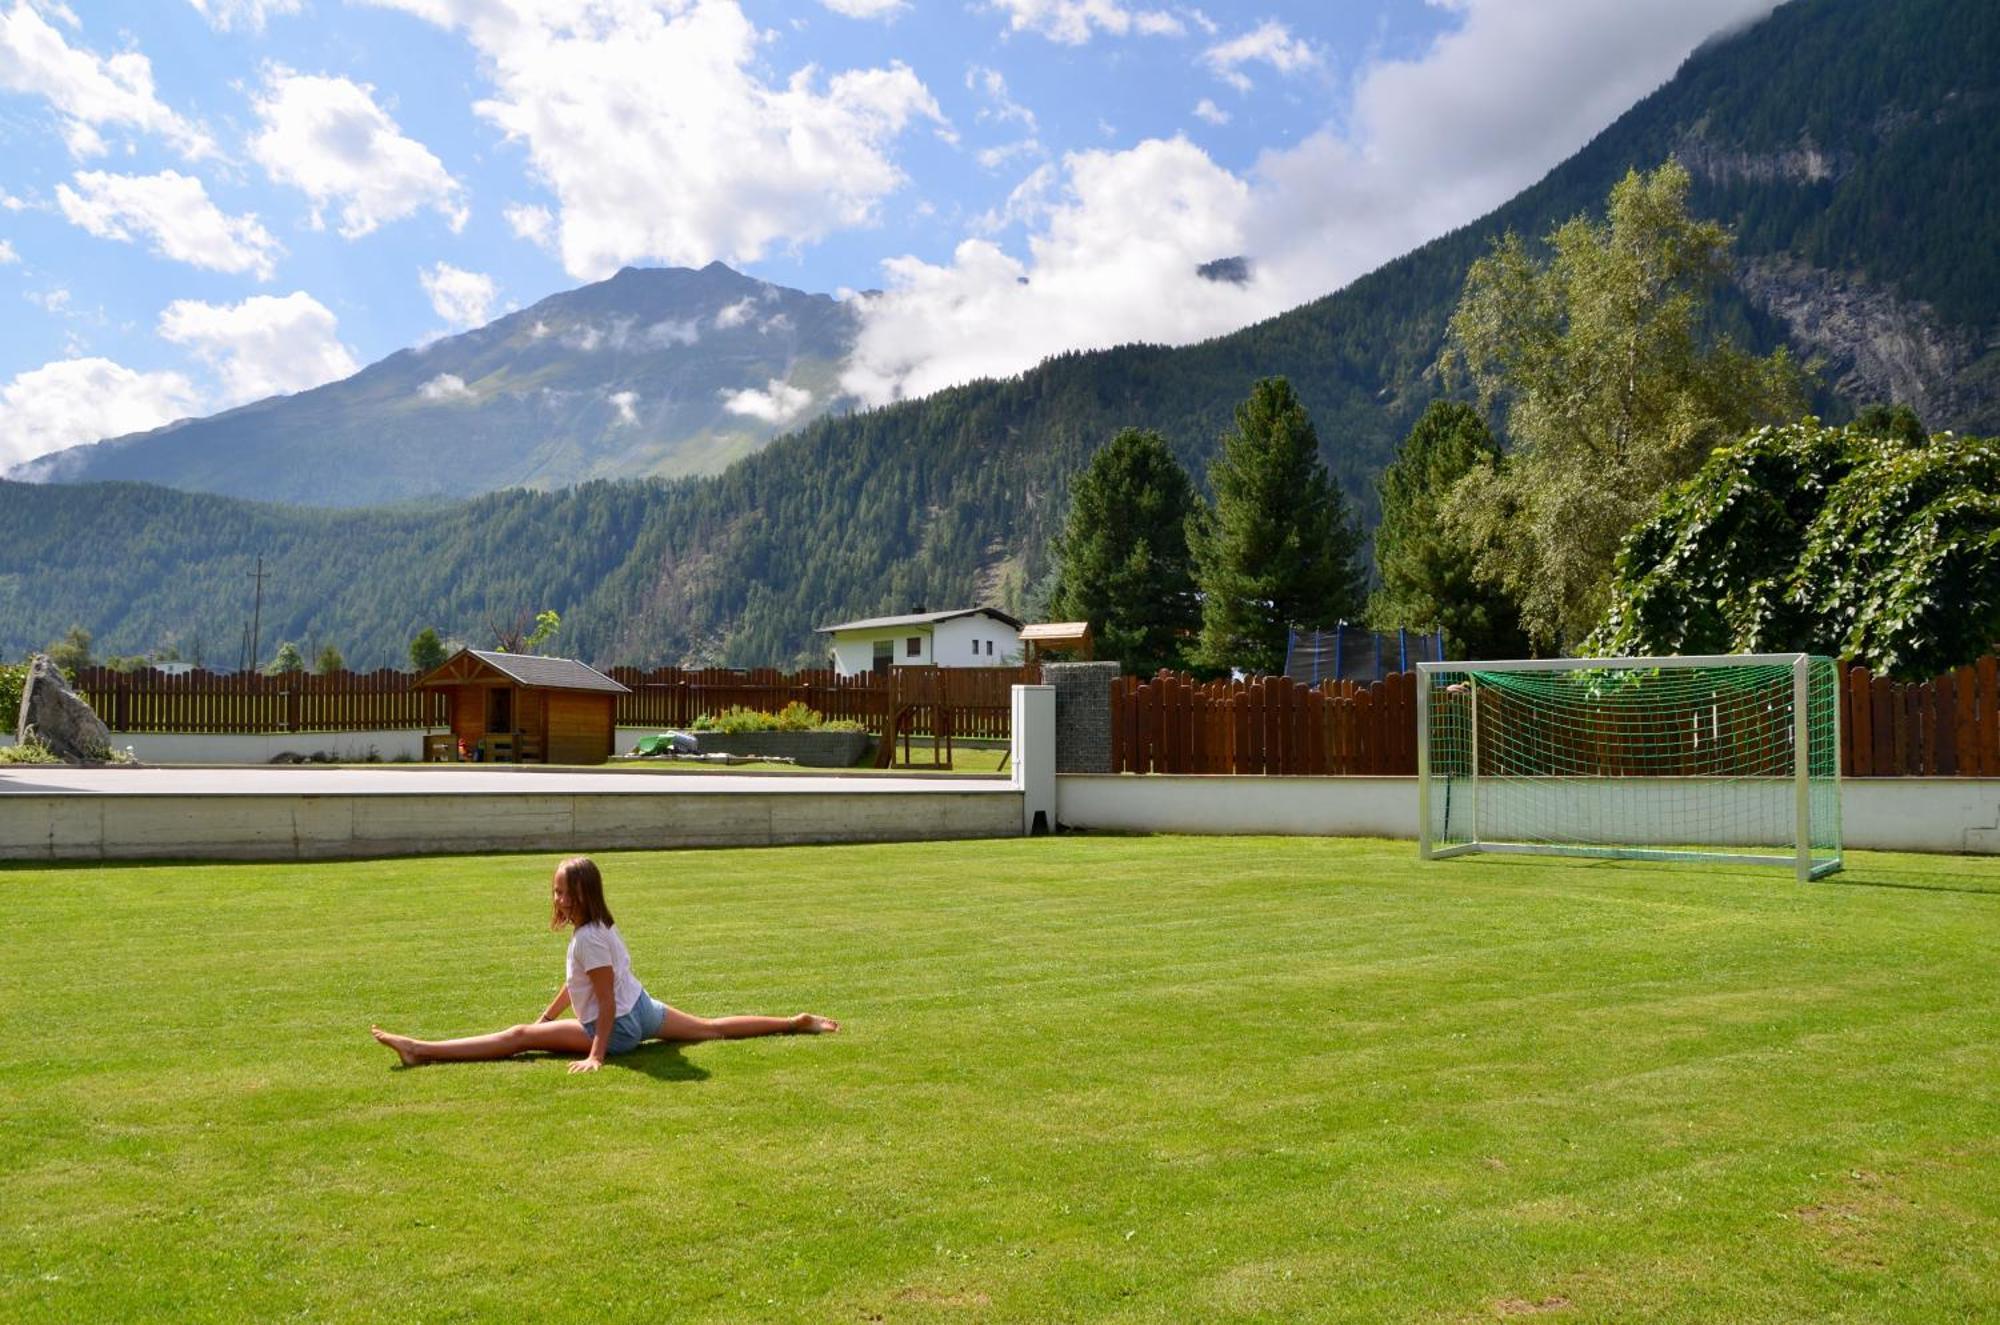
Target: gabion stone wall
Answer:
pixel 1083 714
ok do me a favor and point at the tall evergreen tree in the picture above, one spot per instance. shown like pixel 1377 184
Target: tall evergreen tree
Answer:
pixel 1426 574
pixel 1278 549
pixel 427 652
pixel 1122 559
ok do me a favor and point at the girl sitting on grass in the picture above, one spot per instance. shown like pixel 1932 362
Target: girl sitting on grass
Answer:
pixel 598 975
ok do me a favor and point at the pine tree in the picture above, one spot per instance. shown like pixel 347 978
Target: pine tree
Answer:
pixel 1426 574
pixel 1278 548
pixel 1122 559
pixel 427 650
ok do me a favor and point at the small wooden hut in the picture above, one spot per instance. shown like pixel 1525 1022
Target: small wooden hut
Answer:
pixel 1070 637
pixel 510 707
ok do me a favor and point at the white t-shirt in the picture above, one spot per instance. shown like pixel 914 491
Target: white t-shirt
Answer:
pixel 592 946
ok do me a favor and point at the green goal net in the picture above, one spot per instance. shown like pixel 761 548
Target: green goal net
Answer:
pixel 1727 759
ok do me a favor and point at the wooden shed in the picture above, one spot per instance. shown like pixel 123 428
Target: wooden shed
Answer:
pixel 508 707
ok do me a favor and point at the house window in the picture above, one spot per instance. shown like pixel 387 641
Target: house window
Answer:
pixel 975 648
pixel 885 656
pixel 913 647
pixel 989 648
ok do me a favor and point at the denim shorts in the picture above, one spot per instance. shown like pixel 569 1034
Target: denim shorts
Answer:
pixel 633 1028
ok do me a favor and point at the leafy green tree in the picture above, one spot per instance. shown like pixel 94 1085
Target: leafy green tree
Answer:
pixel 328 661
pixel 71 653
pixel 1824 540
pixel 1277 549
pixel 427 651
pixel 1425 574
pixel 1122 559
pixel 1894 422
pixel 286 660
pixel 1614 390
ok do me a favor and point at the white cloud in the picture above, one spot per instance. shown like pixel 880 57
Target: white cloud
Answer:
pixel 173 211
pixel 327 138
pixel 532 222
pixel 264 346
pixel 73 401
pixel 462 298
pixel 1429 143
pixel 1270 42
pixel 736 314
pixel 992 158
pixel 1114 262
pixel 781 403
pixel 670 331
pixel 625 402
pixel 49 301
pixel 445 386
pixel 649 122
pixel 993 84
pixel 7 253
pixel 89 91
pixel 1209 111
pixel 1072 22
pixel 222 15
pixel 866 8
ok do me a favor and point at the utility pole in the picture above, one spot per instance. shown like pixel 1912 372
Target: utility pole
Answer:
pixel 257 612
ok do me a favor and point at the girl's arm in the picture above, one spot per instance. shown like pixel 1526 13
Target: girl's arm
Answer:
pixel 557 1008
pixel 601 984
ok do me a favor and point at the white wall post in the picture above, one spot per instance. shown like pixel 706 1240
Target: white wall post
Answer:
pixel 1423 764
pixel 1801 759
pixel 1034 755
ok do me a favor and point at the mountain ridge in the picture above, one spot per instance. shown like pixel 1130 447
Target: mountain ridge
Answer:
pixel 955 496
pixel 652 371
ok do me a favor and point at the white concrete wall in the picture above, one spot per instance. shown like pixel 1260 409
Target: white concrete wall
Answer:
pixel 954 640
pixel 348 747
pixel 854 651
pixel 281 826
pixel 1878 814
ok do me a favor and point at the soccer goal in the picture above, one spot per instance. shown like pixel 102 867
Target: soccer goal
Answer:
pixel 1727 759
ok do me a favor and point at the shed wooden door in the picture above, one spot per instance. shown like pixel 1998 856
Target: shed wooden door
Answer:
pixel 577 728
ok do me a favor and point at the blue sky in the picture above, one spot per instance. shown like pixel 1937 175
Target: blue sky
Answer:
pixel 207 201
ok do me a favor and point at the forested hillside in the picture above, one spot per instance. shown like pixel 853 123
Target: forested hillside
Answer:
pixel 1851 143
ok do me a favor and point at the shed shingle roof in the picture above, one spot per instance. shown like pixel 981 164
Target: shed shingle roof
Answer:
pixel 549 673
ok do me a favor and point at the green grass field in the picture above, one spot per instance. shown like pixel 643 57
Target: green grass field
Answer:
pixel 1081 1079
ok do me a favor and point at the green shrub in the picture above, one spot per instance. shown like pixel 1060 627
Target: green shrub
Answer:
pixel 794 717
pixel 13 680
pixel 28 752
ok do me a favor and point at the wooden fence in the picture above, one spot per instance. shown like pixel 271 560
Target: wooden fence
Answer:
pixel 1946 727
pixel 209 703
pixel 1171 723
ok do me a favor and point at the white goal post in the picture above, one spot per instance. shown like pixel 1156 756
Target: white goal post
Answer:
pixel 1730 758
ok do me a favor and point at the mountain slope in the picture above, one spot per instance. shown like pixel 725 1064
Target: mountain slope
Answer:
pixel 1796 129
pixel 627 377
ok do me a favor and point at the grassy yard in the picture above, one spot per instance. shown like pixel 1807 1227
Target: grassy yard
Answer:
pixel 1081 1079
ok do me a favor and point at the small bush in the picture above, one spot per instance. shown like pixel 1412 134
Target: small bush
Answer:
pixel 28 752
pixel 13 680
pixel 794 717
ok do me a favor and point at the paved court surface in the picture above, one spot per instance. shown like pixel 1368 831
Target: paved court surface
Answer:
pixel 417 780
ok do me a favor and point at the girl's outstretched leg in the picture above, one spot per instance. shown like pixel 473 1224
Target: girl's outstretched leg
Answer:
pixel 681 1028
pixel 558 1037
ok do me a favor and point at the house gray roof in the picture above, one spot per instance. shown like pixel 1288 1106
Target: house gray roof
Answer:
pixel 549 673
pixel 919 619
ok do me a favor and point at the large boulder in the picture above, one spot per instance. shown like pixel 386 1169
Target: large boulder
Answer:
pixel 57 717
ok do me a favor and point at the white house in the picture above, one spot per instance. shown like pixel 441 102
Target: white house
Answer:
pixel 966 637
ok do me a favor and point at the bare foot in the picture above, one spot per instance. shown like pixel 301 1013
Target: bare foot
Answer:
pixel 807 1024
pixel 402 1044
